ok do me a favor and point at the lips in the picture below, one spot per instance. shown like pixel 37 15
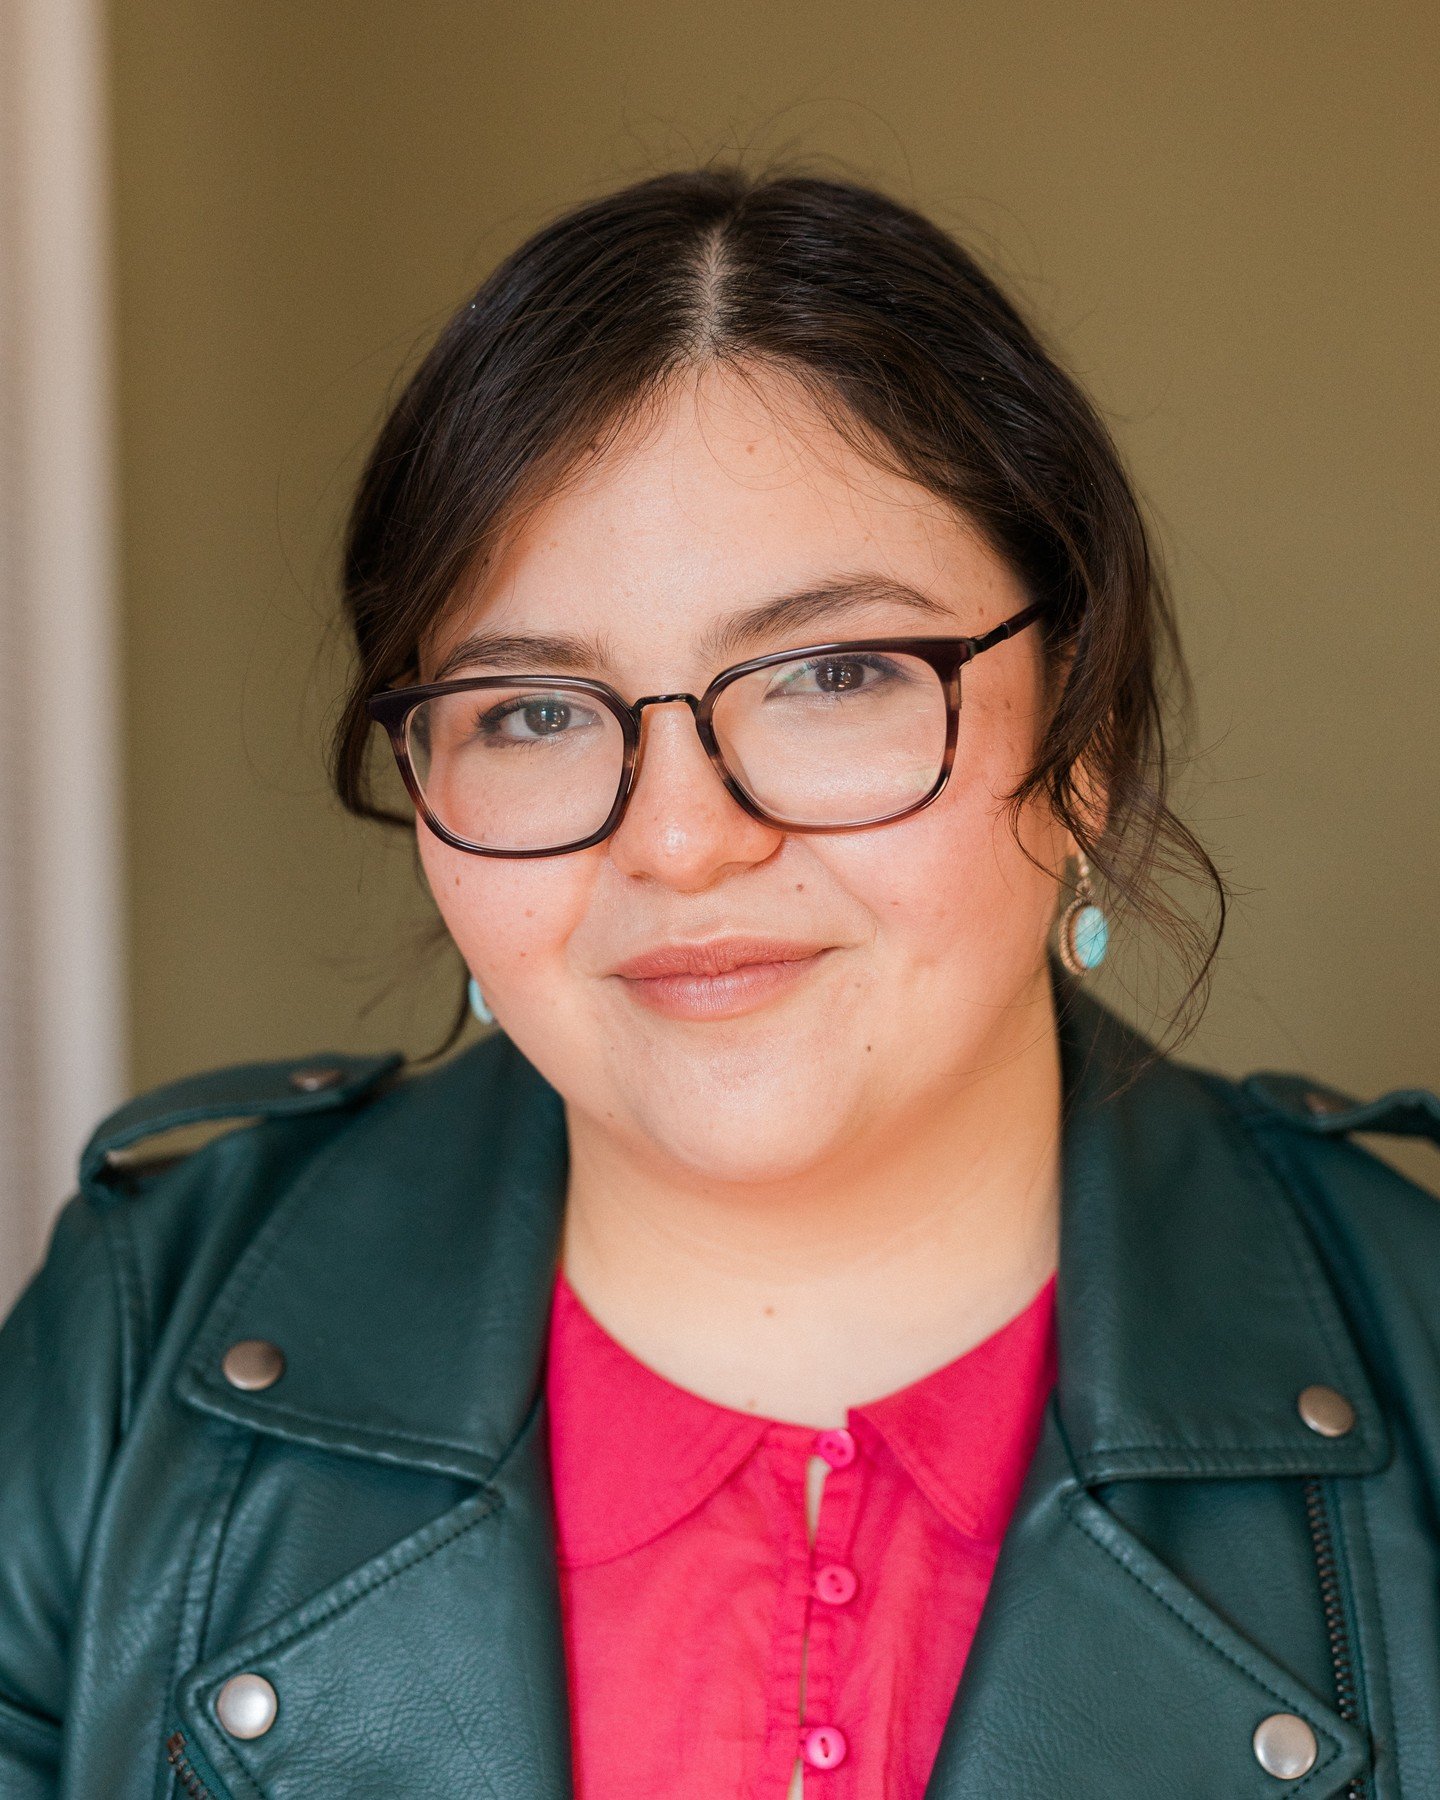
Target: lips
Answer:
pixel 716 957
pixel 724 978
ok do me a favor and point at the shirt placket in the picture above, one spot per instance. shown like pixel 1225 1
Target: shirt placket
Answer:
pixel 812 1746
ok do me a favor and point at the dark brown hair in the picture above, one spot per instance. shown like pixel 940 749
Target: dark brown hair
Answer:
pixel 909 348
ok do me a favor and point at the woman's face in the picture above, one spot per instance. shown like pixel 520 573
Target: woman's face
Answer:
pixel 929 934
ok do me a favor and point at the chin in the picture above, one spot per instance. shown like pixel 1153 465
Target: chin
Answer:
pixel 759 1160
pixel 748 1135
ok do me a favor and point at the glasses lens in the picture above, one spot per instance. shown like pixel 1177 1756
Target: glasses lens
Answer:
pixel 841 739
pixel 517 768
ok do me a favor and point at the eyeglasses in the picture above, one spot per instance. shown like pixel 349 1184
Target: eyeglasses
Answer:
pixel 829 737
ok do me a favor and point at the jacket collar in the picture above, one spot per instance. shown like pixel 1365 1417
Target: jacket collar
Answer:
pixel 407 1276
pixel 1193 1305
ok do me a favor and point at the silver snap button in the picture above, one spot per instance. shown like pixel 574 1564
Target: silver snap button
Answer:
pixel 252 1364
pixel 246 1706
pixel 1327 1413
pixel 1285 1746
pixel 313 1081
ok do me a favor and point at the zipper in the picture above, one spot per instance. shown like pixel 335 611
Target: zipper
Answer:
pixel 1327 1567
pixel 185 1771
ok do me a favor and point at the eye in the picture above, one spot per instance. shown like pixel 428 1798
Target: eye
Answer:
pixel 835 676
pixel 532 719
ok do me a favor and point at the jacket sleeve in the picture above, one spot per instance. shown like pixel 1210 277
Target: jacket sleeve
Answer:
pixel 62 1357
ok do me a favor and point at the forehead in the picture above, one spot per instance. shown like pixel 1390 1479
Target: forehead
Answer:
pixel 730 489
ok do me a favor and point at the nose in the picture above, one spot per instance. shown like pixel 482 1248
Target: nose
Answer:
pixel 682 827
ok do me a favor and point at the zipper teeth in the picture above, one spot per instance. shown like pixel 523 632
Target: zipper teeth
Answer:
pixel 1347 1702
pixel 184 1768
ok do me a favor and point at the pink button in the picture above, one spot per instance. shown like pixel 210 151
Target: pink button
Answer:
pixel 824 1747
pixel 835 1584
pixel 837 1447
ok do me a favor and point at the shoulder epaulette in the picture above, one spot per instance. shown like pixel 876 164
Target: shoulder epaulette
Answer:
pixel 278 1090
pixel 1324 1111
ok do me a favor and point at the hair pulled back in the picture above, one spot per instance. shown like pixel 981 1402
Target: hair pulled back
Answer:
pixel 909 348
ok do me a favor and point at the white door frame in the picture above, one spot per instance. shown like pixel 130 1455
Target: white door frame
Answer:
pixel 62 991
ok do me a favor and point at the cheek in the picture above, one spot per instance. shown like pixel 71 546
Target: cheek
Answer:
pixel 952 889
pixel 510 919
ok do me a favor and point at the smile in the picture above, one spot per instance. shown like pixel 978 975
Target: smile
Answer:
pixel 717 981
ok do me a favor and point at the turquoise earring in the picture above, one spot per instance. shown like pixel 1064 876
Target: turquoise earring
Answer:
pixel 477 1004
pixel 1084 929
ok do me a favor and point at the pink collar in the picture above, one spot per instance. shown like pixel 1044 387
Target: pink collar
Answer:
pixel 633 1454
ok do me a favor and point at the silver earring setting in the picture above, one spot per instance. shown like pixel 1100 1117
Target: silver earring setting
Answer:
pixel 1084 934
pixel 477 1003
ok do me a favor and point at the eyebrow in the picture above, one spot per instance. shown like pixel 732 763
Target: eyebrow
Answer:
pixel 728 638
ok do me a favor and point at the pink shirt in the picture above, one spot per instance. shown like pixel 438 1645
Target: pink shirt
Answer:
pixel 712 1649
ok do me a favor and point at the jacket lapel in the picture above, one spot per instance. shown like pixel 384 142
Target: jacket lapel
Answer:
pixel 407 1278
pixel 1096 1672
pixel 436 1668
pixel 1192 1309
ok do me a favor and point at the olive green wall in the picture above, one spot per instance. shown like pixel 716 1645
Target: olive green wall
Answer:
pixel 1225 214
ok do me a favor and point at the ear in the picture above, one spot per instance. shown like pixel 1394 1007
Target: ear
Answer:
pixel 1091 804
pixel 1090 801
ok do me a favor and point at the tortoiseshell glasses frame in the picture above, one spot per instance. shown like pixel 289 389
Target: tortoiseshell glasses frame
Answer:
pixel 947 656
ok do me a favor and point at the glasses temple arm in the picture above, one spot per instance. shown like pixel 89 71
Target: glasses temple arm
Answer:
pixel 1007 629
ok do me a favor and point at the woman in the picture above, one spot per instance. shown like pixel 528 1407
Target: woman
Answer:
pixel 810 1346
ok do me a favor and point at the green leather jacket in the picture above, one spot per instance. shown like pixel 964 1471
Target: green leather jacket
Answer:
pixel 370 1532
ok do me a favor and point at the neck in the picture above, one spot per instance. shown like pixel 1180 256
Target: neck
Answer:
pixel 800 1300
